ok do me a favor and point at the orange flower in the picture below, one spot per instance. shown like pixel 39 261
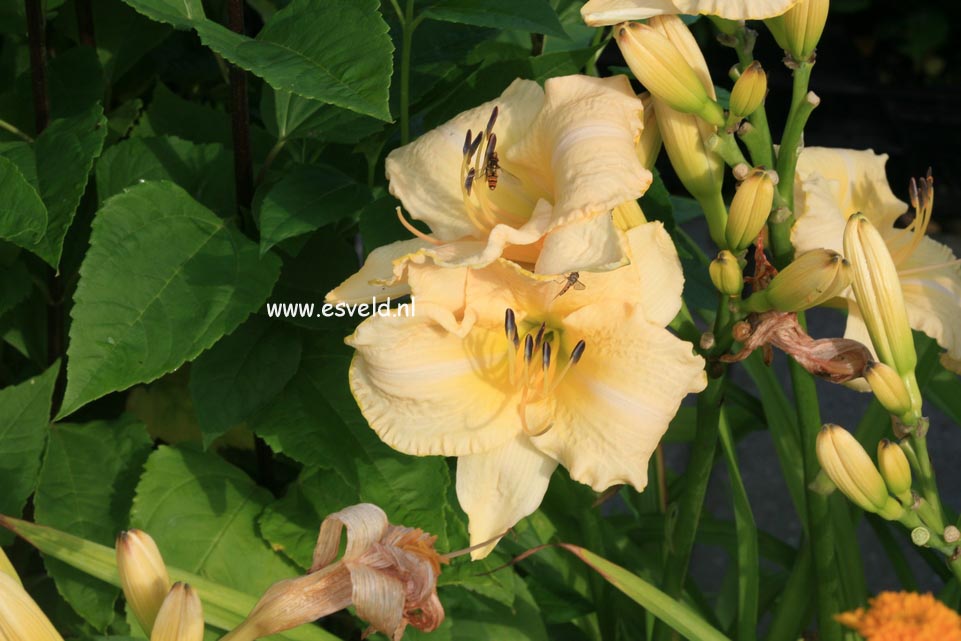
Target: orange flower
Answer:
pixel 897 616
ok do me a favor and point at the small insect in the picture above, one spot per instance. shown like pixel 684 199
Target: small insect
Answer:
pixel 571 280
pixel 491 163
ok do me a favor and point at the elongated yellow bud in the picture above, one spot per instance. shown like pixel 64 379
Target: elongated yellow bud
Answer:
pixel 143 576
pixel 750 208
pixel 6 567
pixel 662 69
pixel 895 470
pixel 628 215
pixel 726 274
pixel 20 617
pixel 888 388
pixel 181 616
pixel 847 464
pixel 812 279
pixel 649 144
pixel 877 289
pixel 749 91
pixel 799 29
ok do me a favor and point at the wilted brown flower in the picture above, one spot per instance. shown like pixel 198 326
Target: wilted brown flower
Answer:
pixel 388 572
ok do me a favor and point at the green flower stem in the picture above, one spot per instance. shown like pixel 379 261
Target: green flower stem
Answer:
pixel 758 141
pixel 929 486
pixel 697 475
pixel 794 605
pixel 801 108
pixel 820 527
pixel 716 213
pixel 725 146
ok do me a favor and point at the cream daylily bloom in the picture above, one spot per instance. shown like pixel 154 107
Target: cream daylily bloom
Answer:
pixel 515 373
pixel 529 176
pixel 599 13
pixel 833 184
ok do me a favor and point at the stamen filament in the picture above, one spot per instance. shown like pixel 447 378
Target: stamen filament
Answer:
pixel 416 232
pixel 928 268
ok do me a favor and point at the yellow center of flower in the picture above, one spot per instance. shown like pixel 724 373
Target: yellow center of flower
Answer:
pixel 491 194
pixel 922 199
pixel 533 366
pixel 895 616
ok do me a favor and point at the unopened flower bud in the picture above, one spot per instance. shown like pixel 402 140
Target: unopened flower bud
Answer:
pixel 628 215
pixel 895 470
pixel 799 29
pixel 662 69
pixel 181 617
pixel 749 210
pixel 877 290
pixel 649 144
pixel 20 617
pixel 888 388
pixel 6 567
pixel 847 464
pixel 812 279
pixel 726 274
pixel 749 91
pixel 143 576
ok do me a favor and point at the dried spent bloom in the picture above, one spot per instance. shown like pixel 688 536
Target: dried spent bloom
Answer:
pixel 833 184
pixel 531 176
pixel 181 617
pixel 900 616
pixel 598 13
pixel 388 572
pixel 20 617
pixel 143 575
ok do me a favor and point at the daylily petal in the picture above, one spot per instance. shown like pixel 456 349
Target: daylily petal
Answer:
pixel 425 175
pixel 820 222
pixel 598 13
pixel 498 488
pixel 365 524
pixel 616 403
pixel 379 599
pixel 378 277
pixel 933 295
pixel 658 267
pixel 426 390
pixel 581 147
pixel 861 182
pixel 593 244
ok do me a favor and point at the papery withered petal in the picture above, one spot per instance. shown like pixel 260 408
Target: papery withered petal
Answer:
pixel 379 599
pixel 838 360
pixel 293 602
pixel 366 524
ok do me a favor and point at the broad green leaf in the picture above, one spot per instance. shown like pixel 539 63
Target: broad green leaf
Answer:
pixel 86 487
pixel 15 284
pixel 530 15
pixel 24 327
pixel 24 416
pixel 241 373
pixel 66 151
pixel 224 606
pixel 747 560
pixel 476 617
pixel 676 614
pixel 205 171
pixel 75 82
pixel 334 51
pixel 23 216
pixel 121 120
pixel 163 280
pixel 291 524
pixel 306 198
pixel 289 116
pixel 202 512
pixel 168 114
pixel 179 13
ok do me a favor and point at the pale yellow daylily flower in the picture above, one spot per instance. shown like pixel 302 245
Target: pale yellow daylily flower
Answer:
pixel 598 13
pixel 534 181
pixel 514 373
pixel 20 617
pixel 833 184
